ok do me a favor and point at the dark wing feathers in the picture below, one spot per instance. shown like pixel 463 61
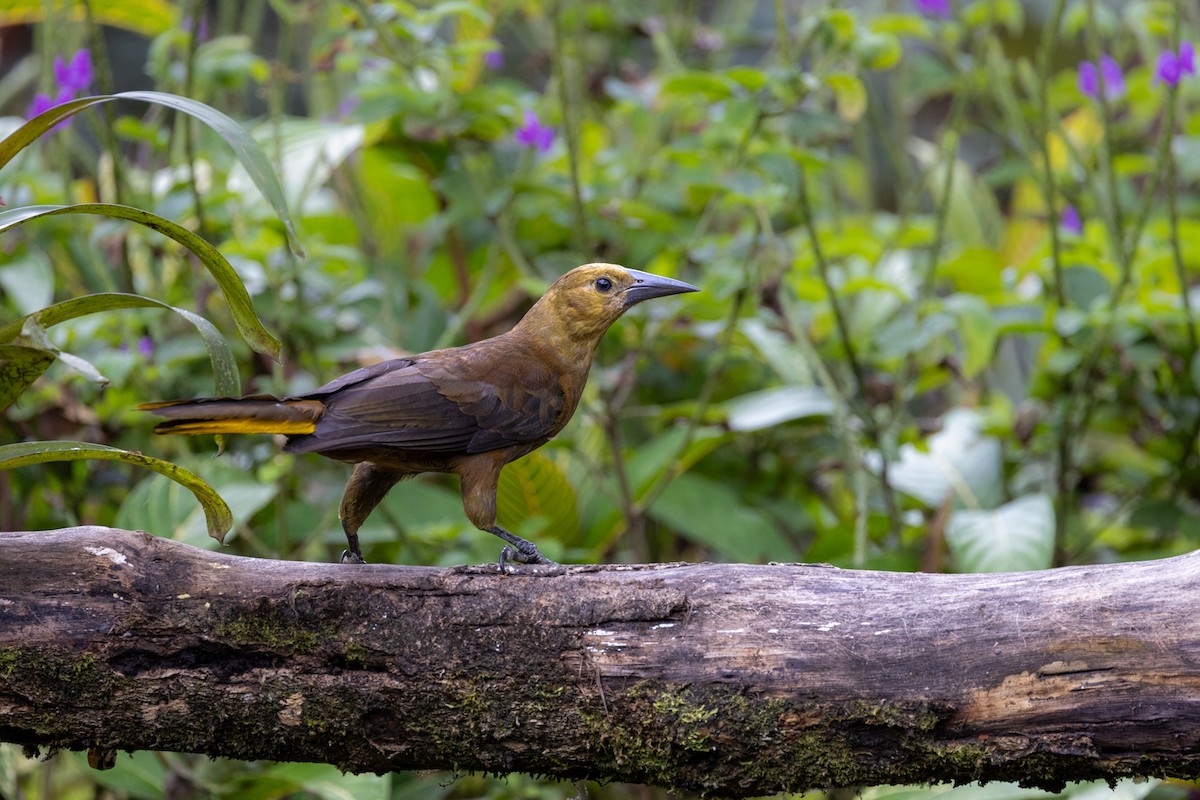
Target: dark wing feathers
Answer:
pixel 433 404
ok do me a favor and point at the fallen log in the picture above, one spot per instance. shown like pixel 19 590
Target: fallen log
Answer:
pixel 730 679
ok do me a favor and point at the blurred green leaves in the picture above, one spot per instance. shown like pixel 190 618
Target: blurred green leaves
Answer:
pixel 28 351
pixel 887 326
pixel 893 349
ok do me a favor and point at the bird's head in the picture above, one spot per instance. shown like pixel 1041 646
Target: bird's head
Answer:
pixel 584 302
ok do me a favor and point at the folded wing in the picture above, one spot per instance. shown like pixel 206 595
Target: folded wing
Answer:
pixel 440 403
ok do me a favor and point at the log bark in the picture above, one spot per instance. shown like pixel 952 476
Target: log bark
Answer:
pixel 729 679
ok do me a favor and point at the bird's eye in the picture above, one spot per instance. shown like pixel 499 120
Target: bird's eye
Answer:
pixel 603 284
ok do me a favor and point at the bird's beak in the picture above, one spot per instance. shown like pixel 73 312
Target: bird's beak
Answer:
pixel 646 286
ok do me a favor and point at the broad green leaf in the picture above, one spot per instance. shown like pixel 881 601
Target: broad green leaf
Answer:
pixel 535 487
pixel 878 51
pixel 242 143
pixel 901 25
pixel 667 452
pixel 140 774
pixel 20 366
pixel 161 505
pixel 225 374
pixel 1085 285
pixel 747 77
pixel 977 330
pixel 218 515
pixel 1015 537
pixel 975 270
pixel 327 782
pixel 712 514
pixel 769 407
pixel 240 304
pixel 705 84
pixel 841 23
pixel 849 95
pixel 34 335
pixel 421 504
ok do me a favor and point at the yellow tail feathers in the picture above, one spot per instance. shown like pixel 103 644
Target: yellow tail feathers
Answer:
pixel 237 415
pixel 200 426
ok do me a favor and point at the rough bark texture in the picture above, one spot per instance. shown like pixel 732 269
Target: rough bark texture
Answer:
pixel 731 679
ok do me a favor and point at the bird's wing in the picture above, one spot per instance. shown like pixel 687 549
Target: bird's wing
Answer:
pixel 439 402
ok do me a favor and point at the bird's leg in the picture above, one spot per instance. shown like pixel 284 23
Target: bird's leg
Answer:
pixel 480 476
pixel 520 550
pixel 368 485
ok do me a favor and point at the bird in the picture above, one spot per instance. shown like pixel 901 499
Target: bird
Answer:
pixel 467 410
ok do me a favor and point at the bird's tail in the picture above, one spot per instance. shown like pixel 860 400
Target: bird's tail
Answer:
pixel 257 414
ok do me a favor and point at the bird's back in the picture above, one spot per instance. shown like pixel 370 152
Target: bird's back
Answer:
pixel 460 401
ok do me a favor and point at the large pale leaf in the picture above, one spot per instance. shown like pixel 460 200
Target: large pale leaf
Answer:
pixel 225 374
pixel 1015 537
pixel 312 150
pixel 28 281
pixel 769 407
pixel 961 462
pixel 240 305
pixel 217 514
pixel 777 351
pixel 243 144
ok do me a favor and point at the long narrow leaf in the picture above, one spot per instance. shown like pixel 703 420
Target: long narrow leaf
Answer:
pixel 242 143
pixel 240 304
pixel 220 519
pixel 225 374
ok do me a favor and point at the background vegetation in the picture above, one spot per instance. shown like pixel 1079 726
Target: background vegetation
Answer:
pixel 948 252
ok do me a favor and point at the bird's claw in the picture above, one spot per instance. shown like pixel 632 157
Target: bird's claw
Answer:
pixel 522 555
pixel 351 558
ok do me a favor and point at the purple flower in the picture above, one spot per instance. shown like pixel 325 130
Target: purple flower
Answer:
pixel 200 31
pixel 1070 220
pixel 934 8
pixel 71 77
pixel 494 59
pixel 42 102
pixel 1172 67
pixel 146 346
pixel 74 75
pixel 534 134
pixel 1109 71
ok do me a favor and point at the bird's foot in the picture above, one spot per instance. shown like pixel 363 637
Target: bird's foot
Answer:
pixel 351 557
pixel 522 555
pixel 522 551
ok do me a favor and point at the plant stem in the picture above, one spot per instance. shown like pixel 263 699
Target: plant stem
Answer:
pixel 567 92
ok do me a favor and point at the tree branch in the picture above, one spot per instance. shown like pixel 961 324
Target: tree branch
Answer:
pixel 733 679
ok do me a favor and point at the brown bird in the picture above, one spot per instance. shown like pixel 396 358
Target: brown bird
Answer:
pixel 467 410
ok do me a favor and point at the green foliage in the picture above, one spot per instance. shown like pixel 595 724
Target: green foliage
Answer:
pixel 902 340
pixel 20 455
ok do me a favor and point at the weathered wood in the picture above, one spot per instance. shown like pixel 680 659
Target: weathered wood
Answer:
pixel 734 679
